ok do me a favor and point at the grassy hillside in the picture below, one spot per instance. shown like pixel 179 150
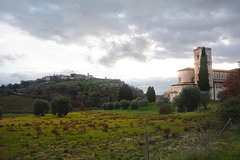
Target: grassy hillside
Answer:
pixel 105 135
pixel 16 104
pixel 84 93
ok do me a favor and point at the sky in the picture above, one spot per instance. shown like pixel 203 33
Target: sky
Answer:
pixel 142 42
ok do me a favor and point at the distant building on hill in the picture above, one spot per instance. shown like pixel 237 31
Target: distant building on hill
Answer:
pixel 72 76
pixel 64 77
pixel 189 76
pixel 46 78
pixel 89 76
pixel 75 76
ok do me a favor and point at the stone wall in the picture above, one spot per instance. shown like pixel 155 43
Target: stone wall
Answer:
pixel 186 76
pixel 220 74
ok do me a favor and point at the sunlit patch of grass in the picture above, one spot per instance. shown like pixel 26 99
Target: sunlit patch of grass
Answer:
pixel 83 128
pixel 100 135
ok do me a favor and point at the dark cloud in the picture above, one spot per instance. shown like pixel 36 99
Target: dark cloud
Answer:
pixel 134 48
pixel 177 26
pixel 226 52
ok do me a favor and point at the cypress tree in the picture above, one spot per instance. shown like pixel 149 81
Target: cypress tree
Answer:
pixel 125 93
pixel 151 94
pixel 203 82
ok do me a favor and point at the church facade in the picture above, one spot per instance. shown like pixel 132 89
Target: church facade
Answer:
pixel 189 76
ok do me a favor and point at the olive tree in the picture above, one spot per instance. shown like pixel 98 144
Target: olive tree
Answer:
pixel 61 106
pixel 188 100
pixel 124 104
pixel 134 104
pixel 40 107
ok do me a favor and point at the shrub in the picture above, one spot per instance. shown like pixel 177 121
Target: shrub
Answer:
pixel 166 109
pixel 220 96
pixel 165 99
pixel 143 102
pixel 124 104
pixel 116 105
pixel 230 108
pixel 110 105
pixel 160 102
pixel 188 100
pixel 177 103
pixel 232 83
pixel 61 106
pixel 134 104
pixel 1 111
pixel 104 106
pixel 205 98
pixel 40 107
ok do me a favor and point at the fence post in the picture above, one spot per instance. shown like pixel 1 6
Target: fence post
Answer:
pixel 146 145
pixel 224 127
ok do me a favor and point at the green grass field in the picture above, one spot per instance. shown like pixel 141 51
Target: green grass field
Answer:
pixel 16 104
pixel 116 134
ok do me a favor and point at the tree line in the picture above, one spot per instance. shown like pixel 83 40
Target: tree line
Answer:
pixel 82 93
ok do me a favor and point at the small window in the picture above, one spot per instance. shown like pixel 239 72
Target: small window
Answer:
pixel 179 79
pixel 197 56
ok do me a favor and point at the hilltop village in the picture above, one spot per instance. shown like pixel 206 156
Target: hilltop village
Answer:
pixel 72 76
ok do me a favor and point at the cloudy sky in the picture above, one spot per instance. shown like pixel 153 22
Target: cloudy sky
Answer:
pixel 142 42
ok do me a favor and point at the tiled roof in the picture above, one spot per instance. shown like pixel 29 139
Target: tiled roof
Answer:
pixel 182 84
pixel 220 70
pixel 188 68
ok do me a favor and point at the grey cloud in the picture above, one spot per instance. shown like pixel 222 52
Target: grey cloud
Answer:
pixel 11 58
pixel 226 53
pixel 135 49
pixel 69 20
pixel 178 26
pixel 17 77
pixel 7 78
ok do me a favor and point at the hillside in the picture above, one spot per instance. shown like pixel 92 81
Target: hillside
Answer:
pixel 16 104
pixel 82 92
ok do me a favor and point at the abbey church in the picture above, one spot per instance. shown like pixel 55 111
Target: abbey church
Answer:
pixel 189 76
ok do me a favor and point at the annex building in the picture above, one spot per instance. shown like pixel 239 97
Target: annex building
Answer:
pixel 189 76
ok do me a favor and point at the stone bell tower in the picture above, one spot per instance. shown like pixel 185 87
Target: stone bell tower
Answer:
pixel 197 58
